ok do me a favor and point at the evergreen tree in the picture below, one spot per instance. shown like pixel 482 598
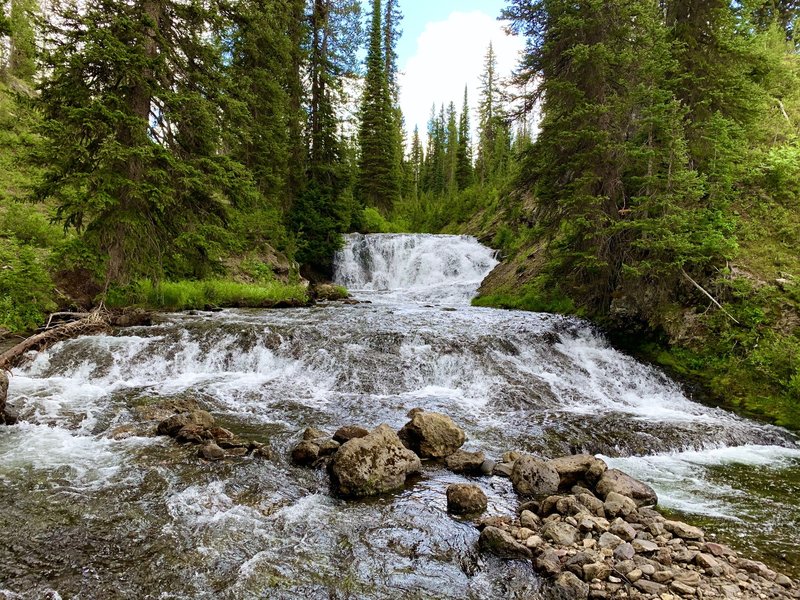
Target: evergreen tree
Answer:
pixel 493 128
pixel 22 41
pixel 451 151
pixel 133 109
pixel 379 164
pixel 415 166
pixel 610 169
pixel 464 153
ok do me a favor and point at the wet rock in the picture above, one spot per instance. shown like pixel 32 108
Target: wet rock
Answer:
pixel 227 443
pixel 462 461
pixel 3 393
pixel 312 433
pixel 534 477
pixel 211 451
pixel 560 533
pixel 683 530
pixel 192 434
pixel 220 433
pixel 373 464
pixel 431 435
pixel 614 480
pixel 305 453
pixel 501 543
pixel 568 587
pixel 510 456
pixel 487 467
pixel 466 498
pixel 349 432
pixel 9 416
pixel 172 425
pixel 573 469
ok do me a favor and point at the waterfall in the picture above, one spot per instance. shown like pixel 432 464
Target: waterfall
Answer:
pixel 437 269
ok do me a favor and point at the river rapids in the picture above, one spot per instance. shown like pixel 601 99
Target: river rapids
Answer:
pixel 90 513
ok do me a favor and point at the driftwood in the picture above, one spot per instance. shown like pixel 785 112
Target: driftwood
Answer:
pixel 91 323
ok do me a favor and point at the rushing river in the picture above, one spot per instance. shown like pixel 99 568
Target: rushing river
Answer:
pixel 89 513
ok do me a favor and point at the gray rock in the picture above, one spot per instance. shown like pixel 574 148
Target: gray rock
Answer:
pixel 529 520
pixel 503 469
pixel 534 477
pixel 487 467
pixel 644 546
pixel 466 498
pixel 431 435
pixel 624 552
pixel 650 587
pixel 501 543
pixel 682 589
pixel 349 432
pixel 614 480
pixel 560 533
pixel 595 505
pixel 462 461
pixel 373 464
pixel 609 540
pixel 568 587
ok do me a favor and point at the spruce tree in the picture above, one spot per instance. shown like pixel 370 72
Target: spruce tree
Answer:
pixel 133 109
pixel 464 171
pixel 22 38
pixel 379 172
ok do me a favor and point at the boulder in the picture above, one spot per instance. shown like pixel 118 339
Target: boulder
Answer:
pixel 466 498
pixel 501 543
pixel 534 477
pixel 172 425
pixel 349 432
pixel 618 505
pixel 374 464
pixel 573 469
pixel 462 461
pixel 615 480
pixel 431 435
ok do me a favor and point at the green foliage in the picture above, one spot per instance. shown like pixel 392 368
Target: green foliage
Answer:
pixel 203 294
pixel 28 225
pixel 25 287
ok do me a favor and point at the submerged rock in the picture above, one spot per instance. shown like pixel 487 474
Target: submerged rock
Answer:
pixel 466 498
pixel 373 464
pixel 431 435
pixel 211 451
pixel 534 477
pixel 305 453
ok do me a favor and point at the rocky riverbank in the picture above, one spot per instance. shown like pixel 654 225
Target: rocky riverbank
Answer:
pixel 590 532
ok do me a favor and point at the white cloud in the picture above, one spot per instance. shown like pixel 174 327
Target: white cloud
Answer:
pixel 450 54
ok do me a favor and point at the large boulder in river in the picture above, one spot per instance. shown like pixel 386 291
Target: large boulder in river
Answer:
pixel 431 435
pixel 615 480
pixel 373 464
pixel 534 477
pixel 462 461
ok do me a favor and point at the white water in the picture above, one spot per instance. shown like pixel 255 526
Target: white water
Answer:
pixel 513 380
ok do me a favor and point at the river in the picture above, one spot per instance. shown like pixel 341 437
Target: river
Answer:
pixel 95 508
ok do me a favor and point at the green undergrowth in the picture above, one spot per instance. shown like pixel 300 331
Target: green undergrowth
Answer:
pixel 203 294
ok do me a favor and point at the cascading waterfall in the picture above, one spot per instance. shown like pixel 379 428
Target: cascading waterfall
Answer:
pixel 92 500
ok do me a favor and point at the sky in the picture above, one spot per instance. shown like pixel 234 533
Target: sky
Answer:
pixel 442 49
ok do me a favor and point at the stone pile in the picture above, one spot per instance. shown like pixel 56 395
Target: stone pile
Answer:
pixel 592 532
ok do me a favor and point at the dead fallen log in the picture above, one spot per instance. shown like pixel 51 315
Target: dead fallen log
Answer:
pixel 92 323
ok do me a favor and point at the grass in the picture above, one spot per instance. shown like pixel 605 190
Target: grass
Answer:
pixel 187 295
